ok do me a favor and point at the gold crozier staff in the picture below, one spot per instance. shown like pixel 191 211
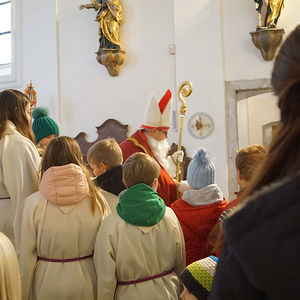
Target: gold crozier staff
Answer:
pixel 183 91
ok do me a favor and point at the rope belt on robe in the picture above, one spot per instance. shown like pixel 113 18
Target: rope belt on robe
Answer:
pixel 146 278
pixel 5 198
pixel 64 260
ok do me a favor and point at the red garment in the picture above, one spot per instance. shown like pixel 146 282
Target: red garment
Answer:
pixel 196 223
pixel 234 202
pixel 167 188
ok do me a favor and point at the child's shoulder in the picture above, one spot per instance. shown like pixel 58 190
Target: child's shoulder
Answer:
pixel 171 216
pixel 112 222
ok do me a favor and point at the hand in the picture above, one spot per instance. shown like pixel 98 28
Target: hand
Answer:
pixel 183 186
pixel 82 6
pixel 178 155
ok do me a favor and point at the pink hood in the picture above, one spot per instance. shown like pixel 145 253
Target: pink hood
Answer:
pixel 64 185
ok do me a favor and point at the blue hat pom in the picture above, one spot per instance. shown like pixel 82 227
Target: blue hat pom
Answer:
pixel 201 170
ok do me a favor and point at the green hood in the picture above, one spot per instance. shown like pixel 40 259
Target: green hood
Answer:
pixel 141 206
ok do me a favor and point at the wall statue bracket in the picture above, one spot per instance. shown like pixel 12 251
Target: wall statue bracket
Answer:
pixel 109 16
pixel 267 41
pixel 112 59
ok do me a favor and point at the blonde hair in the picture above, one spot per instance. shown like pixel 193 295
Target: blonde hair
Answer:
pixel 140 168
pixel 249 158
pixel 10 284
pixel 62 151
pixel 106 151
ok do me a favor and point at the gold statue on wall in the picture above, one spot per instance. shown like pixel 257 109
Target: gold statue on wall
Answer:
pixel 269 13
pixel 109 16
pixel 267 38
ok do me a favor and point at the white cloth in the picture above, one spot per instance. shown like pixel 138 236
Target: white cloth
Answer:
pixel 172 166
pixel 111 199
pixel 19 164
pixel 124 252
pixel 58 232
pixel 210 194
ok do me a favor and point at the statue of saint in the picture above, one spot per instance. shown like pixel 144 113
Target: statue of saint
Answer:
pixel 269 12
pixel 109 15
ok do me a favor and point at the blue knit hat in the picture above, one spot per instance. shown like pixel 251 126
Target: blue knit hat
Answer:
pixel 43 125
pixel 198 276
pixel 201 170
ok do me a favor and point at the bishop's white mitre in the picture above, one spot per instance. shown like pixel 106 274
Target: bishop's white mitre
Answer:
pixel 158 114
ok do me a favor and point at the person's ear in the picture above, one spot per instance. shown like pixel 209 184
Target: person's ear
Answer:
pixel 239 175
pixel 104 167
pixel 124 182
pixel 154 184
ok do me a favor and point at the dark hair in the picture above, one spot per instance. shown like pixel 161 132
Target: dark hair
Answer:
pixel 62 151
pixel 283 158
pixel 13 104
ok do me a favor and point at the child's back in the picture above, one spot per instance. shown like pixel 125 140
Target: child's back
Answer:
pixel 200 207
pixel 140 250
pixel 59 228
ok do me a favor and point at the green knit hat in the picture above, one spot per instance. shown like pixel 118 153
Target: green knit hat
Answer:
pixel 43 125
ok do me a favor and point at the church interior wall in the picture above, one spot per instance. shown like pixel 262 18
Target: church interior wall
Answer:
pixel 242 60
pixel 213 45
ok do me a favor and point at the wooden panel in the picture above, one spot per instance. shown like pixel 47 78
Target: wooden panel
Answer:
pixel 111 128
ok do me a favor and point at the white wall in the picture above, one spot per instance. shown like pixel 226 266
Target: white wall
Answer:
pixel 243 59
pixel 199 60
pixel 39 51
pixel 89 95
pixel 213 46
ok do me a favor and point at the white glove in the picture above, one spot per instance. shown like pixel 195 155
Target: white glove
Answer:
pixel 171 168
pixel 178 155
pixel 183 186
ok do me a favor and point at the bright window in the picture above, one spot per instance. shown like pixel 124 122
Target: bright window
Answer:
pixel 5 33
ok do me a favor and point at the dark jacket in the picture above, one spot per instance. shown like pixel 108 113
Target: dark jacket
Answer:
pixel 111 181
pixel 262 256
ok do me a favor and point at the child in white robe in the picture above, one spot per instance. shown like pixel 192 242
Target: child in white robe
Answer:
pixel 59 228
pixel 140 250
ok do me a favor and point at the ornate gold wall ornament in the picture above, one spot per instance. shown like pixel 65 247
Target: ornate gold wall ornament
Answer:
pixel 109 16
pixel 31 94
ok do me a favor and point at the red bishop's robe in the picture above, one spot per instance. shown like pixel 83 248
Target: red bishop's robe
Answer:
pixel 167 188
